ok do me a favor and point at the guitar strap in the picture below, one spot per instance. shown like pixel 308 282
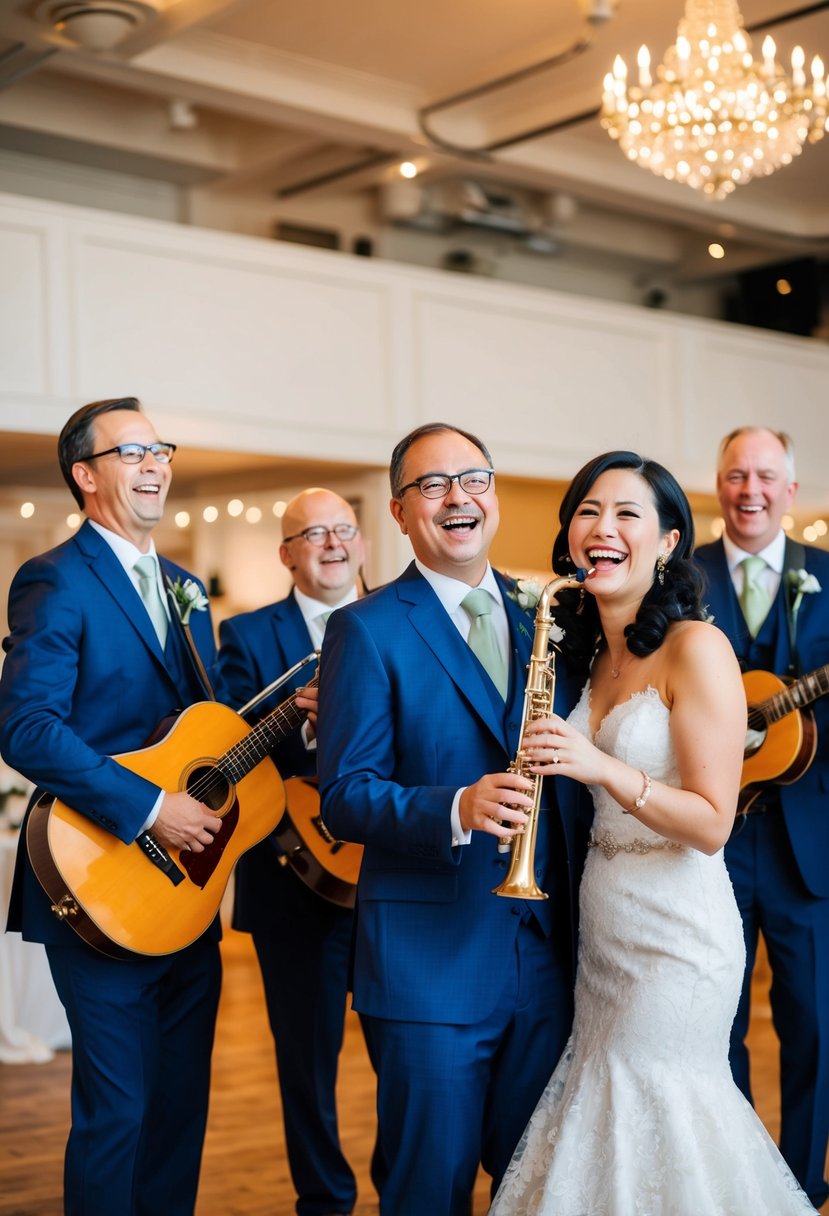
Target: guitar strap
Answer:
pixel 795 559
pixel 193 656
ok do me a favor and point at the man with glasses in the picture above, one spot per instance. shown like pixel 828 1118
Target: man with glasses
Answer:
pixel 302 940
pixel 466 998
pixel 95 661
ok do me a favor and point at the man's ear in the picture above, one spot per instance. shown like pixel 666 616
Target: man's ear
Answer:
pixel 285 558
pixel 396 508
pixel 84 477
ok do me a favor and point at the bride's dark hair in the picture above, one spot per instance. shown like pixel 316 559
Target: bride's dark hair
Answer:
pixel 679 598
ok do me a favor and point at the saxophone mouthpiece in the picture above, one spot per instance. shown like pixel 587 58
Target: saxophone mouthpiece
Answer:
pixel 583 575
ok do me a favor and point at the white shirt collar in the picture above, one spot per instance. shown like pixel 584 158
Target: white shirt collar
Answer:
pixel 126 552
pixel 452 591
pixel 311 608
pixel 774 554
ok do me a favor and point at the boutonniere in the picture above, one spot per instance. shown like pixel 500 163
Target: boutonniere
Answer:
pixel 526 592
pixel 187 597
pixel 798 584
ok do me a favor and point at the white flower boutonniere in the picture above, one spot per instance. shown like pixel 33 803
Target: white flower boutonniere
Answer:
pixel 798 584
pixel 187 597
pixel 526 592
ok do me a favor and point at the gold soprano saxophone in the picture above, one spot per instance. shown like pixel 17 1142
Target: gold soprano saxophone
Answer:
pixel 519 882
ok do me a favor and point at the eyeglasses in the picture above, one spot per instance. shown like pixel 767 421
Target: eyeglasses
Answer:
pixel 438 485
pixel 319 535
pixel 134 453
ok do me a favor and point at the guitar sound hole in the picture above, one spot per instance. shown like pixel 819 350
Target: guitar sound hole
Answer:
pixel 210 786
pixel 753 742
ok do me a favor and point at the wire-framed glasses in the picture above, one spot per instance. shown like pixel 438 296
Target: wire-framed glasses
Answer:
pixel 318 535
pixel 134 453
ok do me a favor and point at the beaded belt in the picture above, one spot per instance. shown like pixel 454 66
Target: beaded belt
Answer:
pixel 610 846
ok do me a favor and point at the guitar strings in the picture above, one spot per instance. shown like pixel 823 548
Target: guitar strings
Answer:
pixel 244 755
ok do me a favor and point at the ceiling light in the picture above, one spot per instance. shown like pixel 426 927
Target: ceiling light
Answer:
pixel 408 169
pixel 715 250
pixel 713 117
pixel 95 25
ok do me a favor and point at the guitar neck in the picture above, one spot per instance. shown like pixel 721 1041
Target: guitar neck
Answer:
pixel 238 761
pixel 794 696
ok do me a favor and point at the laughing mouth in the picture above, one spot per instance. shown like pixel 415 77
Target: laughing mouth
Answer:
pixel 149 488
pixel 595 556
pixel 459 523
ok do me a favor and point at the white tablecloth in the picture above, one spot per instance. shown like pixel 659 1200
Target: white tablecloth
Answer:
pixel 32 1020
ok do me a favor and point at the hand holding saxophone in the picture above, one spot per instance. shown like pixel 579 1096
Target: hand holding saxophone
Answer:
pixel 552 748
pixel 498 803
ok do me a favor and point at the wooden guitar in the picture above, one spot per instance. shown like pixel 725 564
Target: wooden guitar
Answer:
pixel 141 898
pixel 328 866
pixel 782 736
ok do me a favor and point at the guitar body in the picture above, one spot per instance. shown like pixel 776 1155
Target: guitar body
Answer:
pixel 784 749
pixel 328 866
pixel 111 893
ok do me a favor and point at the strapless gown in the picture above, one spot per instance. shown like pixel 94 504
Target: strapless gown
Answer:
pixel 641 1116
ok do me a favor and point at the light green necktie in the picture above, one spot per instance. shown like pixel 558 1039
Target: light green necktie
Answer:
pixel 754 598
pixel 483 640
pixel 145 568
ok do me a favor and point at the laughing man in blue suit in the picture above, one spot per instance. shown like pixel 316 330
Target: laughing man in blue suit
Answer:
pixel 777 854
pixel 89 675
pixel 466 997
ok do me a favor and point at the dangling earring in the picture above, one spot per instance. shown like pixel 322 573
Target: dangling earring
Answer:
pixel 661 567
pixel 580 605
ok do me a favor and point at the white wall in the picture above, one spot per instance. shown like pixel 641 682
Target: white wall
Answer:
pixel 245 344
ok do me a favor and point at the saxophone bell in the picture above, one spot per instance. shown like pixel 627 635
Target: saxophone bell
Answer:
pixel 519 882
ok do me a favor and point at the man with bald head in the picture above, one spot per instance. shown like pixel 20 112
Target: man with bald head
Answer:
pixel 302 940
pixel 768 593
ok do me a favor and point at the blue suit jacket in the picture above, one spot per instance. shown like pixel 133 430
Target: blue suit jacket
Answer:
pixel 256 647
pixel 407 717
pixel 805 806
pixel 85 678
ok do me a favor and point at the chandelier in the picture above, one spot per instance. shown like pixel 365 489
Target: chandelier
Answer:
pixel 714 118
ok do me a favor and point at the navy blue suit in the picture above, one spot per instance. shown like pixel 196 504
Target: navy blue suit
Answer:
pixel 85 678
pixel 467 996
pixel 303 941
pixel 777 859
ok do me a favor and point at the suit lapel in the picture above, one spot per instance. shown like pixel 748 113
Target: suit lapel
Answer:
pixel 290 634
pixel 437 631
pixel 721 599
pixel 112 576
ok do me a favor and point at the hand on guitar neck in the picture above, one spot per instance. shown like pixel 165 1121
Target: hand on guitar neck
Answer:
pixel 307 699
pixel 184 823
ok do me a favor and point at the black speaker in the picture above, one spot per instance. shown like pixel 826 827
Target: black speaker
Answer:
pixel 785 297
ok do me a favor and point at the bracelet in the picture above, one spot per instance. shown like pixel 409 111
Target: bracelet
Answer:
pixel 643 797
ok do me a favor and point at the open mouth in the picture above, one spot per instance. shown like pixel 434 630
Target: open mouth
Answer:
pixel 460 523
pixel 152 490
pixel 604 558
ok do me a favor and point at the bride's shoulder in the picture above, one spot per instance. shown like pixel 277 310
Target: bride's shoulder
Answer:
pixel 695 642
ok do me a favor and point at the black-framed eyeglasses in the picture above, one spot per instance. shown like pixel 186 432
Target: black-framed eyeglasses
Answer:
pixel 134 453
pixel 318 535
pixel 438 485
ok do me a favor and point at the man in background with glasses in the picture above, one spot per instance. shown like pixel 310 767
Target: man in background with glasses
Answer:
pixel 95 662
pixel 466 998
pixel 302 939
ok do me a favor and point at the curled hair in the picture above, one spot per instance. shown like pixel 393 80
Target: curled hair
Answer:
pixel 429 428
pixel 75 440
pixel 678 599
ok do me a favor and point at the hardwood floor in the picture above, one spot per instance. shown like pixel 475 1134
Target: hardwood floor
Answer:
pixel 245 1171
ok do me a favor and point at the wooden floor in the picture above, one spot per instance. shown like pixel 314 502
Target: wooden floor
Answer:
pixel 245 1172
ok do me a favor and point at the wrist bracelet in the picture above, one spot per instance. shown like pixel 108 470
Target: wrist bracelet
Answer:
pixel 644 796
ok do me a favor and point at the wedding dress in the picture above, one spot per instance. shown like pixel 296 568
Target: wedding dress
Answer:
pixel 641 1116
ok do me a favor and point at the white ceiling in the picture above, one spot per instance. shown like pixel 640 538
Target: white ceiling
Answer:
pixel 286 94
pixel 331 92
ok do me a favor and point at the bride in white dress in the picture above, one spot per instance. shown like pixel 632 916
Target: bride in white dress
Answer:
pixel 641 1116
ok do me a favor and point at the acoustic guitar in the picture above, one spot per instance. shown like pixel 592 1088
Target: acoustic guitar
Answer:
pixel 782 736
pixel 141 898
pixel 330 867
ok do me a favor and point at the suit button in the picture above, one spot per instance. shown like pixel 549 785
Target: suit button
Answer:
pixel 515 910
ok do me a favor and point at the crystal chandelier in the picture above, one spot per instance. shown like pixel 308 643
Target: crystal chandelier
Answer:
pixel 714 118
